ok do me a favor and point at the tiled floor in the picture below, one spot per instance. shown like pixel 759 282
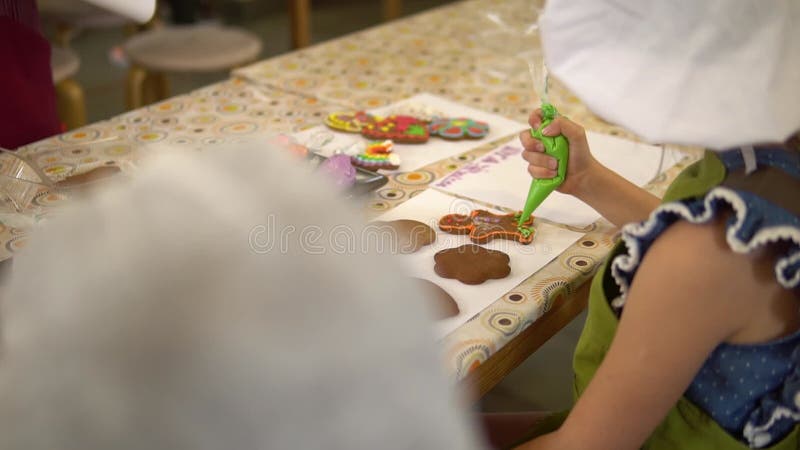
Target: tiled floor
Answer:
pixel 543 382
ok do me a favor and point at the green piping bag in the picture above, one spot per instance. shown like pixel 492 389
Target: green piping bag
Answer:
pixel 556 146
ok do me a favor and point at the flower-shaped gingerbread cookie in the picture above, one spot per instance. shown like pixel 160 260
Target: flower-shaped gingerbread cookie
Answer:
pixel 377 156
pixel 458 128
pixel 483 226
pixel 405 235
pixel 352 122
pixel 471 264
pixel 400 129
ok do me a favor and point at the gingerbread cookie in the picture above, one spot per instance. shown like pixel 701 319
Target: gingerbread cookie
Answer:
pixel 351 122
pixel 407 236
pixel 377 156
pixel 483 226
pixel 471 264
pixel 458 128
pixel 400 129
pixel 86 178
pixel 444 305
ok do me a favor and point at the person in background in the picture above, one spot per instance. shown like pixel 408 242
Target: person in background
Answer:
pixel 28 106
pixel 212 303
pixel 692 339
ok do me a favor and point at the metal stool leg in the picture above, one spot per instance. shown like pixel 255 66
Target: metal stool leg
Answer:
pixel 71 103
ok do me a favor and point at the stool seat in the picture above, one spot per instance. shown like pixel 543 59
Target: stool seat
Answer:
pixel 64 63
pixel 192 48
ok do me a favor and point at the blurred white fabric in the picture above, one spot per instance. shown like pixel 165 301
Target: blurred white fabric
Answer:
pixel 715 73
pixel 138 10
pixel 151 317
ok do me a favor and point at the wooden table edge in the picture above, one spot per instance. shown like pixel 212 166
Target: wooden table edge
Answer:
pixel 564 309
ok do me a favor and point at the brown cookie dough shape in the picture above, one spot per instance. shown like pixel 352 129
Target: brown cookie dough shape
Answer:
pixel 471 264
pixel 407 236
pixel 482 226
pixel 100 173
pixel 444 305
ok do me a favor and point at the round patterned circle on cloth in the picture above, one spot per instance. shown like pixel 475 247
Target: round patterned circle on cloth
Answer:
pixel 379 206
pixel 391 194
pixel 416 178
pixel 47 198
pixel 59 169
pixel 231 108
pixel 515 297
pixel 118 150
pixel 547 290
pixel 170 106
pixel 203 119
pixel 506 322
pixel 74 152
pixel 16 244
pixel 582 263
pixel 81 135
pixel 470 354
pixel 150 137
pixel 239 128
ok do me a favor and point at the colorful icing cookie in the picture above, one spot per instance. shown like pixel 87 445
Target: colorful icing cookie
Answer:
pixel 407 236
pixel 377 156
pixel 483 226
pixel 339 169
pixel 444 305
pixel 419 110
pixel 400 129
pixel 351 122
pixel 458 128
pixel 471 264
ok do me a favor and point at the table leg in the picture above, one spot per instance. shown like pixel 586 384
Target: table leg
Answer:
pixel 564 309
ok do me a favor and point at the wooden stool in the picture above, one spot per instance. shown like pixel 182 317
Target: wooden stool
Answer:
pixel 191 48
pixel 71 102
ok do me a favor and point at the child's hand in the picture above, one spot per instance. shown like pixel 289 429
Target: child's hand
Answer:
pixel 581 162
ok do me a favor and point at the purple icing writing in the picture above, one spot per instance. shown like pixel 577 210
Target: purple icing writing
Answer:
pixel 482 165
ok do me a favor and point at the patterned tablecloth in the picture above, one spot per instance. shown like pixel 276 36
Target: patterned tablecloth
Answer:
pixel 458 52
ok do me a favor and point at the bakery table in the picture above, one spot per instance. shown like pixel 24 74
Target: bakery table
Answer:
pixel 454 52
pixel 473 52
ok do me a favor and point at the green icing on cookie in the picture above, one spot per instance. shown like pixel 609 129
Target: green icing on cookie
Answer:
pixel 526 232
pixel 416 130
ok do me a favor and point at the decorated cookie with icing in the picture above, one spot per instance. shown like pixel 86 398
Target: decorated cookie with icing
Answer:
pixel 482 226
pixel 444 305
pixel 471 264
pixel 458 128
pixel 377 156
pixel 400 129
pixel 351 122
pixel 407 236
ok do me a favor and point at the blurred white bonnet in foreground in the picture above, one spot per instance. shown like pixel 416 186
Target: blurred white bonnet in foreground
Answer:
pixel 152 318
pixel 715 73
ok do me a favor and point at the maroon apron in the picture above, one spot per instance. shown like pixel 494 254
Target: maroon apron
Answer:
pixel 27 95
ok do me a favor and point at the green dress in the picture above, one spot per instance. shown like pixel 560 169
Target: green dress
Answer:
pixel 686 426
